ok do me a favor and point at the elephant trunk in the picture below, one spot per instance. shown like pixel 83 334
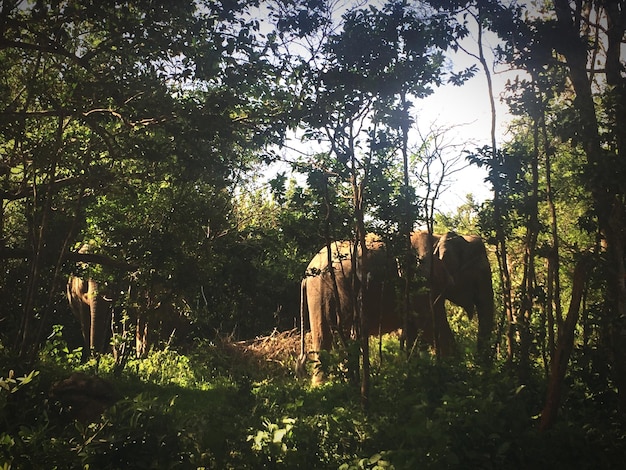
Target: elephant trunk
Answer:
pixel 94 334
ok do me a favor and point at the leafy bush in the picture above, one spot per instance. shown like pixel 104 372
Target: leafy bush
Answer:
pixel 20 440
pixel 57 351
pixel 135 433
pixel 165 367
pixel 218 408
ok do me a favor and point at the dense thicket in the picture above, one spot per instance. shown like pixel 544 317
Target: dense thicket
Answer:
pixel 150 132
pixel 128 128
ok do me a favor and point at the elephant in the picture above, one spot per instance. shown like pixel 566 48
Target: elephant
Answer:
pixel 331 311
pixel 92 308
pixel 454 268
pixel 157 317
pixel 86 302
pixel 160 319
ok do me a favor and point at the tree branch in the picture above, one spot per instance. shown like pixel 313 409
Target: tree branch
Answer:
pixel 90 258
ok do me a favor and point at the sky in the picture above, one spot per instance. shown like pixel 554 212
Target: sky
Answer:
pixel 466 110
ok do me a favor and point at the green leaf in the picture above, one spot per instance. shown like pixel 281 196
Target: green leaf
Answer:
pixel 279 434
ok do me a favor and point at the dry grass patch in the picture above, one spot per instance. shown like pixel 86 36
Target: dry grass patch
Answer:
pixel 275 353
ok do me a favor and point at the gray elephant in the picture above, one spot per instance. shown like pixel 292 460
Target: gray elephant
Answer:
pixel 160 319
pixel 457 269
pixel 331 311
pixel 94 312
pixel 453 267
pixel 157 317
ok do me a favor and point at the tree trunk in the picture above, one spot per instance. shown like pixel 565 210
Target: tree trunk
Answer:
pixel 360 284
pixel 528 282
pixel 39 222
pixel 334 322
pixel 608 195
pixel 616 224
pixel 564 346
pixel 407 256
pixel 501 246
pixel 554 282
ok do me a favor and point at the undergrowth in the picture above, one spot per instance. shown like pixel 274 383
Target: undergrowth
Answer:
pixel 239 406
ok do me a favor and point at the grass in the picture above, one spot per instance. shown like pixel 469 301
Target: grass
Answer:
pixel 238 405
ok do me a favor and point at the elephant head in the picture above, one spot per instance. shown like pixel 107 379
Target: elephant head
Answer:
pixel 328 295
pixel 457 269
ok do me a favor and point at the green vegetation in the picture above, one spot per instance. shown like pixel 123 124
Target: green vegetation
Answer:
pixel 220 407
pixel 151 131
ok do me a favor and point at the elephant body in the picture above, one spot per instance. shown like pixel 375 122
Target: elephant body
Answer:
pixel 453 267
pixel 456 268
pixel 155 321
pixel 330 311
pixel 159 323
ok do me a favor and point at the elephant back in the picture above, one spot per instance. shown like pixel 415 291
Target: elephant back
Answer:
pixel 342 252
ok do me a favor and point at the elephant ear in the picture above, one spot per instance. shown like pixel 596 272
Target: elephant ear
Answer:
pixel 451 250
pixel 460 261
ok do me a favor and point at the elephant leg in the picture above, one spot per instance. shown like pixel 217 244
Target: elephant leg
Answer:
pixel 84 317
pixel 304 315
pixel 409 333
pixel 321 333
pixel 484 308
pixel 321 340
pixel 141 336
pixel 423 323
pixel 78 298
pixel 432 326
pixel 446 343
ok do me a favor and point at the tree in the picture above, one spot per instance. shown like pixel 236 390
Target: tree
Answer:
pixel 365 78
pixel 119 122
pixel 570 53
pixel 573 28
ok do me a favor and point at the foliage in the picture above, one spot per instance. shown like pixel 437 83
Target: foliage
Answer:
pixel 133 433
pixel 136 128
pixel 218 412
pixel 121 123
pixel 57 350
